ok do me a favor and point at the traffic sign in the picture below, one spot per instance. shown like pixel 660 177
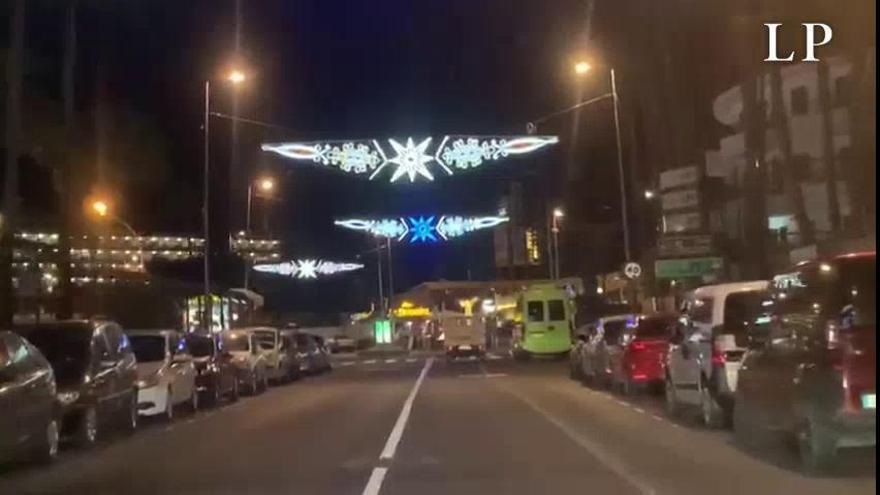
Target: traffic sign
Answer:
pixel 632 270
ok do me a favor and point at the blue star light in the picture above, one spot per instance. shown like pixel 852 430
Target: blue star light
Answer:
pixel 423 229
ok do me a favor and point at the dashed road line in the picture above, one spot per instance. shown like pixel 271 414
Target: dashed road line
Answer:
pixel 411 360
pixel 389 361
pixel 370 361
pixel 377 476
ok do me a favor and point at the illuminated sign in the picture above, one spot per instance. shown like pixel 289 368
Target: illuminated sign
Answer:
pixel 307 268
pixel 410 310
pixel 423 228
pixel 382 331
pixel 411 158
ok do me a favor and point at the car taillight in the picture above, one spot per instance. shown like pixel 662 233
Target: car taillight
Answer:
pixel 718 356
pixel 637 346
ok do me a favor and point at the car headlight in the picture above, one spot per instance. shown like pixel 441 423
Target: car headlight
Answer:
pixel 148 382
pixel 67 398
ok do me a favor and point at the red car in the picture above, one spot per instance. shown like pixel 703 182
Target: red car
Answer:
pixel 644 348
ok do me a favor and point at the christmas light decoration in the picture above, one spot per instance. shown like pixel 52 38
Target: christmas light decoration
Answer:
pixel 307 268
pixel 454 153
pixel 425 228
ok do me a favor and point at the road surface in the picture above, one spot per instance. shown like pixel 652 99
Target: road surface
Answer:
pixel 407 425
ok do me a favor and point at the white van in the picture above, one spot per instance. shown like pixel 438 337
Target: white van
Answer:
pixel 706 353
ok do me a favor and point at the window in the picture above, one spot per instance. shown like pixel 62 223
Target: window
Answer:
pixel 746 315
pixel 612 330
pixel 148 348
pixel 535 310
pixel 100 348
pixel 800 101
pixel 556 310
pixel 656 328
pixel 700 310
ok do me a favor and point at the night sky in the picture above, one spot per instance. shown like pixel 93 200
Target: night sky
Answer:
pixel 328 70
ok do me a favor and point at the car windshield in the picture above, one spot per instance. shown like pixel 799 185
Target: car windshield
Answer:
pixel 656 327
pixel 65 347
pixel 148 348
pixel 200 346
pixel 613 329
pixel 266 340
pixel 237 342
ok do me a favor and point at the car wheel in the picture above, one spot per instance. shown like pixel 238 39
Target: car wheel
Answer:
pixel 672 406
pixel 87 434
pixel 818 449
pixel 194 401
pixel 710 411
pixel 169 406
pixel 131 415
pixel 235 394
pixel 47 448
pixel 253 388
pixel 629 388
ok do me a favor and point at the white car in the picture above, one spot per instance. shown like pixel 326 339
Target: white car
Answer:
pixel 706 353
pixel 166 372
pixel 244 346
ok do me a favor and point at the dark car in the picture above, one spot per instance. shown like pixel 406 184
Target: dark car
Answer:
pixel 216 374
pixel 96 374
pixel 811 371
pixel 28 424
pixel 310 350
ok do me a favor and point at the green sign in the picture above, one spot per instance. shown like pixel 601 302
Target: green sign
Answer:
pixel 382 331
pixel 687 267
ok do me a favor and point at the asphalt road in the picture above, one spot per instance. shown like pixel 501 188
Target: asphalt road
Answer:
pixel 401 426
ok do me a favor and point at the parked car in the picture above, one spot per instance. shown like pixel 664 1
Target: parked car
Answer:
pixel 95 372
pixel 813 373
pixel 216 375
pixel 247 358
pixel 601 346
pixel 166 372
pixel 642 348
pixel 313 356
pixel 706 352
pixel 282 362
pixel 29 426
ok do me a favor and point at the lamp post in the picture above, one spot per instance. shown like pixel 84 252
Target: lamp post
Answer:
pixel 265 185
pixel 102 209
pixel 235 77
pixel 555 218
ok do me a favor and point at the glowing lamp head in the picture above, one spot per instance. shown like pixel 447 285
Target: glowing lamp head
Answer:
pixel 266 184
pixel 236 77
pixel 558 213
pixel 649 194
pixel 101 208
pixel 582 67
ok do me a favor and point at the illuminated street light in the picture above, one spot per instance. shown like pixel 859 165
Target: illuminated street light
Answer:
pixel 582 67
pixel 649 194
pixel 558 213
pixel 266 184
pixel 100 207
pixel 236 77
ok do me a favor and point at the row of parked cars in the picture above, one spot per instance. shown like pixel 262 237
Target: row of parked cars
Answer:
pixel 794 355
pixel 78 380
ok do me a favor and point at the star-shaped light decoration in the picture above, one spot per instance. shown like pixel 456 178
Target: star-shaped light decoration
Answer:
pixel 307 268
pixel 411 159
pixel 423 229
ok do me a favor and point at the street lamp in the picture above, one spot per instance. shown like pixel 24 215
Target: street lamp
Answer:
pixel 553 223
pixel 581 68
pixel 649 194
pixel 265 185
pixel 236 78
pixel 102 208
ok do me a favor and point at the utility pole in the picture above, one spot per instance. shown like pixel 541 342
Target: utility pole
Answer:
pixel 208 315
pixel 66 177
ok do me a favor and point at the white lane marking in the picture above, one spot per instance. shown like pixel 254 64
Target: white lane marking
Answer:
pixel 397 431
pixel 389 361
pixel 370 361
pixel 622 403
pixel 658 418
pixel 603 456
pixel 494 357
pixel 411 360
pixel 375 481
pixel 482 375
pixel 346 363
pixel 639 410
